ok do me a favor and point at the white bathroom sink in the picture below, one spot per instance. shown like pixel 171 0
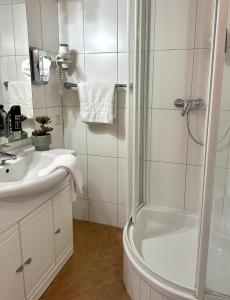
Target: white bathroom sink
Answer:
pixel 19 179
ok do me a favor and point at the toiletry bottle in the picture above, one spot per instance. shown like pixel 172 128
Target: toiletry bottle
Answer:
pixel 15 118
pixel 2 121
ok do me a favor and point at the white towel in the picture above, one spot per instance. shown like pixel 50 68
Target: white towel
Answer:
pixel 69 163
pixel 97 102
pixel 20 93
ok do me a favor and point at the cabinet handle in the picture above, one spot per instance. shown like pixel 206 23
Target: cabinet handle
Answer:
pixel 28 261
pixel 58 231
pixel 20 269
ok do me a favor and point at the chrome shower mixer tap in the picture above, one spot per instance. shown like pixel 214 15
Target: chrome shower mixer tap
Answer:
pixel 187 105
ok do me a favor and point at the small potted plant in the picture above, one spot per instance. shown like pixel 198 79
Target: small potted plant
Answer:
pixel 41 138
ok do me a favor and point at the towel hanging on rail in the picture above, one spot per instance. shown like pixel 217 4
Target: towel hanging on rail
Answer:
pixel 97 102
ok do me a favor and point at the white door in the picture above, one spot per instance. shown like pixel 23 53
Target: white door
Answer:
pixel 63 227
pixel 37 246
pixel 11 268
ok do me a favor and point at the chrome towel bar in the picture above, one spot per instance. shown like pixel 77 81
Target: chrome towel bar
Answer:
pixel 69 85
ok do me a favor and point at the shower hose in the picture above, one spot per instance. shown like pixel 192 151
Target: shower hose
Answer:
pixel 198 142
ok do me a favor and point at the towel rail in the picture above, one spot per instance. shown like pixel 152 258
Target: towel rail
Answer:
pixel 69 85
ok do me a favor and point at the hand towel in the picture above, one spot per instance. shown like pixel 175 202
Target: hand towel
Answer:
pixel 97 102
pixel 20 93
pixel 70 164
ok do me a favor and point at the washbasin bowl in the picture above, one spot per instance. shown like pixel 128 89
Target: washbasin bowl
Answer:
pixel 20 179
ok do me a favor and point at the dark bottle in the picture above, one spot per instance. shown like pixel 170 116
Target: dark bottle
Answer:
pixel 15 118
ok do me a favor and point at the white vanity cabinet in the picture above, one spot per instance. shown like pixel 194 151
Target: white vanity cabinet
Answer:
pixel 37 242
pixel 11 267
pixel 63 228
pixel 34 250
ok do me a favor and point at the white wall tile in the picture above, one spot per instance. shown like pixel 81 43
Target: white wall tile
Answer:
pixel 55 113
pixel 100 25
pixel 172 69
pixel 122 67
pixel 226 204
pixel 102 139
pixel 225 100
pixel 34 23
pixel 167 184
pixel 83 166
pixel 6 31
pixel 219 190
pixel 201 74
pixel 179 30
pixel 39 96
pixel 105 213
pixel 76 71
pixel 168 136
pixel 70 15
pixel 49 19
pixel 121 133
pixel 81 209
pixel 52 96
pixel 197 126
pixel 101 67
pixel 102 178
pixel 74 130
pixel 8 68
pixel 152 24
pixel 205 17
pixel 122 181
pixel 122 25
pixel 121 97
pixel 194 184
pixel 228 25
pixel 223 140
pixel 19 60
pixel 20 29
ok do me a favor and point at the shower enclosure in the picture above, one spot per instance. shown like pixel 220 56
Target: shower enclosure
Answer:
pixel 177 240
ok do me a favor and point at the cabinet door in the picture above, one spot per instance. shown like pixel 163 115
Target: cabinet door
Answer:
pixel 11 268
pixel 37 246
pixel 63 226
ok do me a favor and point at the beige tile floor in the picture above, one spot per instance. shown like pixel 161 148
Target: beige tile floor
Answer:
pixel 94 272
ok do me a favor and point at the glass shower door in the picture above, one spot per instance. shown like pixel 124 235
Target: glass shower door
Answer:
pixel 218 266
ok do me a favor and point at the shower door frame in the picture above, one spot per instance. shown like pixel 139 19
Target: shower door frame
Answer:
pixel 135 202
pixel 220 25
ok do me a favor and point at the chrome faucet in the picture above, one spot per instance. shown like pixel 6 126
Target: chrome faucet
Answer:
pixel 187 105
pixel 4 156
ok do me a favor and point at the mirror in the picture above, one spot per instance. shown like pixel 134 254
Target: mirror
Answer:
pixel 15 79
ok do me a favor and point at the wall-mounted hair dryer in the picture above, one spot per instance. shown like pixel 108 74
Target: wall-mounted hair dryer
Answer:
pixel 62 63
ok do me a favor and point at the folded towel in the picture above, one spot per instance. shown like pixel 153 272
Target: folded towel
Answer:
pixel 20 93
pixel 97 102
pixel 69 163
